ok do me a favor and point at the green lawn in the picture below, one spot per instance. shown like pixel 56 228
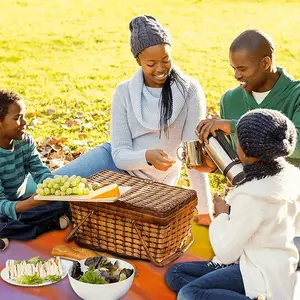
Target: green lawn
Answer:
pixel 68 55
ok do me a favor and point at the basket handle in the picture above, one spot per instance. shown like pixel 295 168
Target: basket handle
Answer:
pixel 71 234
pixel 169 259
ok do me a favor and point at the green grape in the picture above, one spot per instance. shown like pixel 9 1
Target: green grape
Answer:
pixel 69 191
pixel 57 178
pixel 80 191
pixel 72 177
pixel 56 186
pixel 64 178
pixel 81 185
pixel 74 183
pixel 67 184
pixel 47 180
pixel 84 180
pixel 95 186
pixel 40 191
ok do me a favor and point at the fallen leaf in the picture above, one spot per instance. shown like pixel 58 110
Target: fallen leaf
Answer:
pixel 83 136
pixel 65 127
pixel 79 143
pixel 79 115
pixel 69 123
pixel 50 111
pixel 33 122
pixel 88 125
pixel 56 163
pixel 33 114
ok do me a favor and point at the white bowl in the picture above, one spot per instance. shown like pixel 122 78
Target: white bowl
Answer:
pixel 110 291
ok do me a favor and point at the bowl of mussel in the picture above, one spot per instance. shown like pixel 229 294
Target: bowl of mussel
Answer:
pixel 101 278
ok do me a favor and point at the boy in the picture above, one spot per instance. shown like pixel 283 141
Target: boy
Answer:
pixel 22 217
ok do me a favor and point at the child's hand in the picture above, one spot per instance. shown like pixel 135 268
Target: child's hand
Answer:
pixel 30 203
pixel 36 203
pixel 220 205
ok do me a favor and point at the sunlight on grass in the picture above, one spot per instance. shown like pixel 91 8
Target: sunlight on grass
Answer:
pixel 70 55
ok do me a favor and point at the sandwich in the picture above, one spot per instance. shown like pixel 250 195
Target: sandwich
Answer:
pixel 34 270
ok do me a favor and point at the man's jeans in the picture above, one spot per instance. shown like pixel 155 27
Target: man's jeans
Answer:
pixel 206 280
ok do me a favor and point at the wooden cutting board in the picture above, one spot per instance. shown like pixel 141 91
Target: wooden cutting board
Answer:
pixel 82 198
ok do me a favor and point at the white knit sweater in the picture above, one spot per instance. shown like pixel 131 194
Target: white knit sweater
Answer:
pixel 135 129
pixel 259 233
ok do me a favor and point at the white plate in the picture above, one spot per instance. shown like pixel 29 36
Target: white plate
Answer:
pixel 65 268
pixel 84 198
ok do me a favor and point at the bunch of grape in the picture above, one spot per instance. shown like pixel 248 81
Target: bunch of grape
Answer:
pixel 63 186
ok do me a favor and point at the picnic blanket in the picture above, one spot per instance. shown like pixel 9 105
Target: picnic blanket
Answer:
pixel 149 284
pixel 148 276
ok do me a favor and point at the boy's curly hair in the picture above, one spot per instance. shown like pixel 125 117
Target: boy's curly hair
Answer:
pixel 7 98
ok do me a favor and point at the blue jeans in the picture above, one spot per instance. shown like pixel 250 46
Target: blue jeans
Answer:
pixel 206 280
pixel 33 222
pixel 91 162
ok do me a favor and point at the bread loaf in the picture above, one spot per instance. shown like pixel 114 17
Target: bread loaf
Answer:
pixel 72 252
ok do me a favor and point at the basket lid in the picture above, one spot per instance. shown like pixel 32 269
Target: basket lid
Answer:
pixel 146 196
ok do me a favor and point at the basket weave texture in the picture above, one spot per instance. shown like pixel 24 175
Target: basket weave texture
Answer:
pixel 151 219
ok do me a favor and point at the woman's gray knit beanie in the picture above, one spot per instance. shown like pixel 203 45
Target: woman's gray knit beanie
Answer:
pixel 146 32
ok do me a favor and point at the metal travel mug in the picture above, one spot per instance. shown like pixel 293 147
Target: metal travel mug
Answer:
pixel 193 153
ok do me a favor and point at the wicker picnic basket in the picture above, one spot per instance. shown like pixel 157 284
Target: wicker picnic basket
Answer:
pixel 151 221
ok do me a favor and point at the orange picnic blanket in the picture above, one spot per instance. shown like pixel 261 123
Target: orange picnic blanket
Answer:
pixel 148 276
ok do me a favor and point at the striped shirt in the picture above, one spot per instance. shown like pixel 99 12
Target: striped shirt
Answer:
pixel 15 165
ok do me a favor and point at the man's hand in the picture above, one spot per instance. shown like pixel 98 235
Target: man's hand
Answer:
pixel 205 127
pixel 159 159
pixel 220 205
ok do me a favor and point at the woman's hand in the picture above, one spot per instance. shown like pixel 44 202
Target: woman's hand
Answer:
pixel 159 159
pixel 220 205
pixel 30 203
pixel 205 127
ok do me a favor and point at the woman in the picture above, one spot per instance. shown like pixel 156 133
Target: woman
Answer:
pixel 152 114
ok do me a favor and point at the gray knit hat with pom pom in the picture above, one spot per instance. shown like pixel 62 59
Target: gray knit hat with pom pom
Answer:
pixel 146 32
pixel 266 134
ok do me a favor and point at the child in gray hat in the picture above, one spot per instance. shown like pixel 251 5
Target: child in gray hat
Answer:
pixel 152 114
pixel 255 256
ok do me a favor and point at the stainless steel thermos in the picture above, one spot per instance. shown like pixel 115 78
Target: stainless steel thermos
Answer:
pixel 226 159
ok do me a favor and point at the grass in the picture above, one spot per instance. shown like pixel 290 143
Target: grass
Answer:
pixel 69 55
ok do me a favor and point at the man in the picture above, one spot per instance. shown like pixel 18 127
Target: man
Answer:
pixel 262 85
